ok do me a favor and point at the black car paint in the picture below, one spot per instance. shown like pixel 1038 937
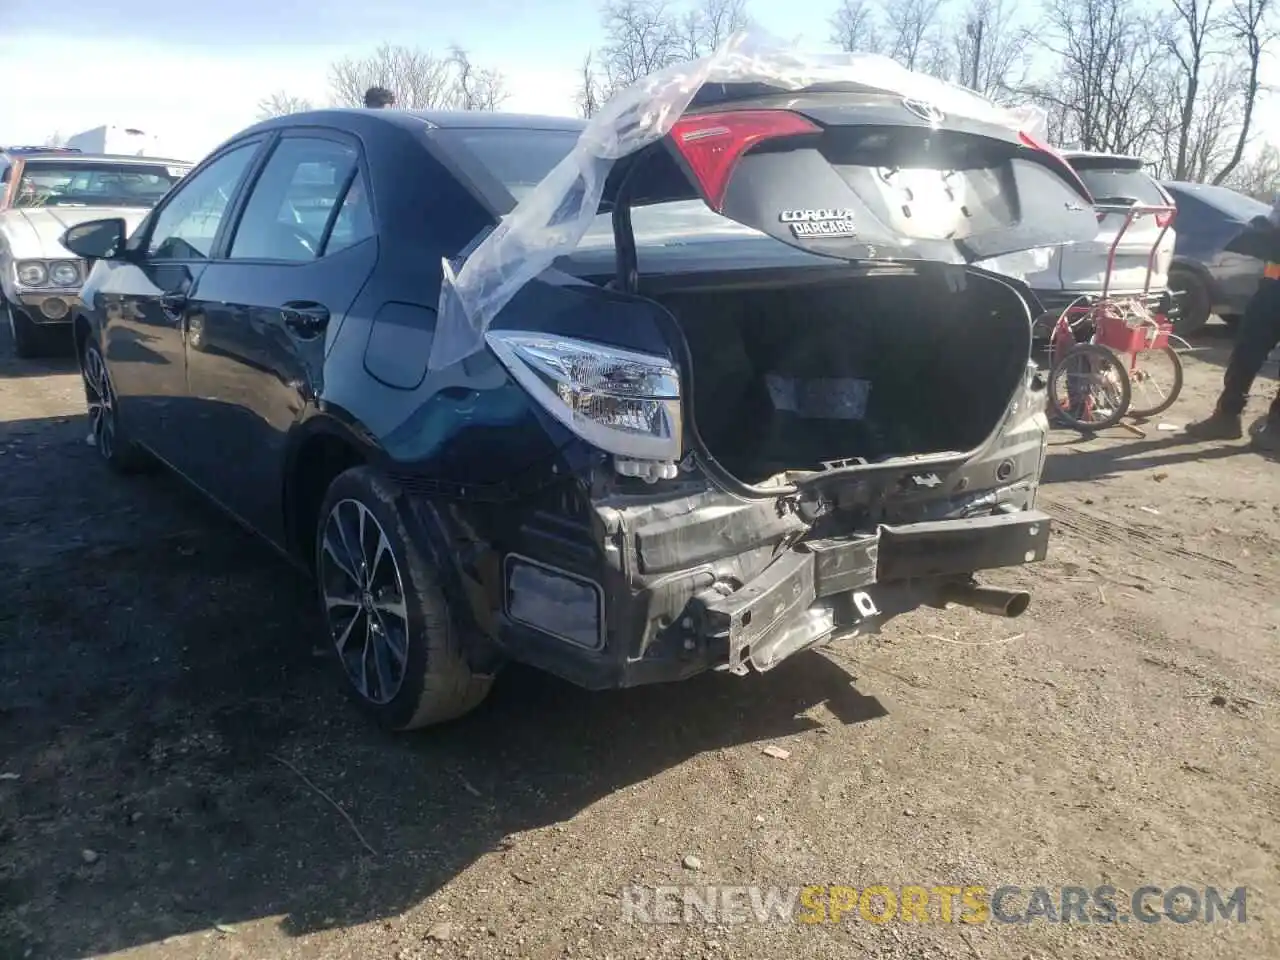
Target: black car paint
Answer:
pixel 485 471
pixel 1204 231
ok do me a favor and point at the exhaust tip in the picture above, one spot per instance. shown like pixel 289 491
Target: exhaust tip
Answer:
pixel 1018 603
pixel 991 600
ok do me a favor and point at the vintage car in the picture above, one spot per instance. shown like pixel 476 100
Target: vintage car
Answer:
pixel 43 192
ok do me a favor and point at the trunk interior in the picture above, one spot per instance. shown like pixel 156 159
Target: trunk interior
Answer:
pixel 789 376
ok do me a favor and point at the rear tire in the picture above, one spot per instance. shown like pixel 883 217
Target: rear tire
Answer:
pixel 1189 303
pixel 395 637
pixel 1104 368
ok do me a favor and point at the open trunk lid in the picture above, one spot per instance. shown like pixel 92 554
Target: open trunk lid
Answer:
pixel 861 175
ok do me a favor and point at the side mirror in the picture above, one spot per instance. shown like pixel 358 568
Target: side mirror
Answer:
pixel 97 239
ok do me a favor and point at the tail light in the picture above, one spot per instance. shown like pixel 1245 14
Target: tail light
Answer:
pixel 623 402
pixel 1164 219
pixel 713 143
pixel 1060 161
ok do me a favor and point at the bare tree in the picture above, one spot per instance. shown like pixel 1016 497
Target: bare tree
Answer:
pixel 1258 177
pixel 705 27
pixel 1105 92
pixel 281 103
pixel 1247 25
pixel 1190 44
pixel 474 88
pixel 914 35
pixel 55 139
pixel 855 28
pixel 993 51
pixel 590 95
pixel 641 37
pixel 419 79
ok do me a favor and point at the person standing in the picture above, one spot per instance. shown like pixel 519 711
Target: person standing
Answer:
pixel 1258 335
pixel 379 98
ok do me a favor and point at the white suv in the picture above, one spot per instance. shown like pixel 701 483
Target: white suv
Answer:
pixel 1079 269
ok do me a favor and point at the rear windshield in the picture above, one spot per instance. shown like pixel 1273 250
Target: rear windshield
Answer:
pixel 520 159
pixel 1235 206
pixel 1114 183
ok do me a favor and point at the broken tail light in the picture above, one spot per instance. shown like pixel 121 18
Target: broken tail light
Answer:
pixel 623 402
pixel 713 143
pixel 1060 161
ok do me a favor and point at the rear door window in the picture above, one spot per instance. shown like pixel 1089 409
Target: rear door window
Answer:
pixel 304 186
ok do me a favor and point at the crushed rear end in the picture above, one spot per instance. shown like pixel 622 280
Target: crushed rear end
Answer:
pixel 797 414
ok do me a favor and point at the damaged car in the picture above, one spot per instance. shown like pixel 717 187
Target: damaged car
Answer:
pixel 765 403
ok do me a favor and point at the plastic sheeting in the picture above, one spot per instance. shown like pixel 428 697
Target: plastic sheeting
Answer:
pixel 553 217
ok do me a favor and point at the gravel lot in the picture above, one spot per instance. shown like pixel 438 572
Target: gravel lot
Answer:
pixel 167 729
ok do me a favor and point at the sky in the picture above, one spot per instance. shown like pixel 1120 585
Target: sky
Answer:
pixel 192 74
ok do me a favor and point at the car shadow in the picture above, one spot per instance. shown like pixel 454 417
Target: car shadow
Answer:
pixel 1076 457
pixel 176 743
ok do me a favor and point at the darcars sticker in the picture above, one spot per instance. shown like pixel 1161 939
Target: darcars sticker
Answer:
pixel 820 223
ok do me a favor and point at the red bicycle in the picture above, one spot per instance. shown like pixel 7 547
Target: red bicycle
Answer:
pixel 1093 382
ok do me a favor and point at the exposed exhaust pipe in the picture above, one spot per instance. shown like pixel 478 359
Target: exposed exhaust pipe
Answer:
pixel 993 600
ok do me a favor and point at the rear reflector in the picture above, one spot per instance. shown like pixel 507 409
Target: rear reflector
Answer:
pixel 1029 141
pixel 554 601
pixel 713 143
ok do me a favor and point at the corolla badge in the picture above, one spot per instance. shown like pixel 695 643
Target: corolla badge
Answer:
pixel 924 110
pixel 833 222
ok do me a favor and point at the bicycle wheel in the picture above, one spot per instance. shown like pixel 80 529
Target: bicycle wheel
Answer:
pixel 1156 379
pixel 1097 388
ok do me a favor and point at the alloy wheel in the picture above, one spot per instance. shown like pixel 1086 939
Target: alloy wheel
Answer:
pixel 101 401
pixel 364 600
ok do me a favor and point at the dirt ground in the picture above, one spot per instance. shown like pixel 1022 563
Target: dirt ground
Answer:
pixel 170 740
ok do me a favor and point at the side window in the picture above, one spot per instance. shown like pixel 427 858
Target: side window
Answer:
pixel 354 221
pixel 4 170
pixel 294 199
pixel 187 225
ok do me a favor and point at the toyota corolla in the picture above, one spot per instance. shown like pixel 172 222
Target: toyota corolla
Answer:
pixel 766 404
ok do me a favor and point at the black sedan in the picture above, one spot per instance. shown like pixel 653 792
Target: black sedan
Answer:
pixel 794 269
pixel 1205 277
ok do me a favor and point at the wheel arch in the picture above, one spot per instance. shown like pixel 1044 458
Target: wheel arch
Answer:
pixel 319 449
pixel 1196 269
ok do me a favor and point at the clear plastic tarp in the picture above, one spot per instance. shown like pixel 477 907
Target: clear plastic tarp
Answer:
pixel 550 221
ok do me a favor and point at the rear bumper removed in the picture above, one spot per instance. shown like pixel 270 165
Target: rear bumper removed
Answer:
pixel 614 625
pixel 825 588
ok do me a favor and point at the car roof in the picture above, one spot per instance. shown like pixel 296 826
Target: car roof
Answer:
pixel 71 157
pixel 417 119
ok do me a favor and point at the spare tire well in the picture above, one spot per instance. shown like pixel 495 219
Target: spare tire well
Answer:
pixel 321 458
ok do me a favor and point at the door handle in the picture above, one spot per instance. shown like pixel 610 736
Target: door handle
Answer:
pixel 304 318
